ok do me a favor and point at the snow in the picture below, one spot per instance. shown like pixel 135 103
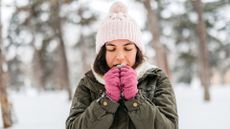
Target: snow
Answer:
pixel 194 113
pixel 49 110
pixel 45 110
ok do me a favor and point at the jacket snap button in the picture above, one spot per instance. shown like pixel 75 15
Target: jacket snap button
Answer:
pixel 135 104
pixel 105 103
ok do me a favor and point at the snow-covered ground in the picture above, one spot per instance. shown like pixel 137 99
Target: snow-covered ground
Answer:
pixel 48 110
pixel 194 113
pixel 45 110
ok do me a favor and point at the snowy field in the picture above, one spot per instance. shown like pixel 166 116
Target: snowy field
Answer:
pixel 48 110
pixel 194 113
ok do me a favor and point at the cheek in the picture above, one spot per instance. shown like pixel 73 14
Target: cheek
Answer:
pixel 108 58
pixel 132 59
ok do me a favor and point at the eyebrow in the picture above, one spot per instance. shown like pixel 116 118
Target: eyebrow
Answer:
pixel 130 43
pixel 110 44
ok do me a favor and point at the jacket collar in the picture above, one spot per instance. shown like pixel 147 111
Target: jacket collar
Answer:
pixel 140 70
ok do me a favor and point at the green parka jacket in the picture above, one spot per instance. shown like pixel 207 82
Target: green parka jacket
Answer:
pixel 153 108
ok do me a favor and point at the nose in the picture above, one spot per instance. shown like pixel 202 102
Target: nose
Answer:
pixel 120 56
pixel 119 59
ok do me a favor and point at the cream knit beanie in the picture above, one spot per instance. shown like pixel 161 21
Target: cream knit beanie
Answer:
pixel 119 25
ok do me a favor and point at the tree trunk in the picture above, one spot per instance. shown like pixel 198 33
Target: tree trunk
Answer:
pixel 5 105
pixel 161 55
pixel 223 72
pixel 204 65
pixel 38 70
pixel 38 73
pixel 167 69
pixel 64 71
pixel 84 54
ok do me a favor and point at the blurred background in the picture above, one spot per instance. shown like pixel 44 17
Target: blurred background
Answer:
pixel 46 46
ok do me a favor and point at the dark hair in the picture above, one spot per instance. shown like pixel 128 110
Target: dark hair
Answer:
pixel 100 66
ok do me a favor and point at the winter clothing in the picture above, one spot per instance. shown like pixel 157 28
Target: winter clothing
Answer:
pixel 123 98
pixel 118 25
pixel 112 84
pixel 129 82
pixel 154 107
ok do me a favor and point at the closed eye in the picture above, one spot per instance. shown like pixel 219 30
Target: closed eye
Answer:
pixel 111 50
pixel 128 49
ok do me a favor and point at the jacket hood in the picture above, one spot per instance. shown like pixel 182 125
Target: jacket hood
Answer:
pixel 140 70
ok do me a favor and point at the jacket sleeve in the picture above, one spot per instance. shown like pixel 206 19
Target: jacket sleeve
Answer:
pixel 89 114
pixel 159 113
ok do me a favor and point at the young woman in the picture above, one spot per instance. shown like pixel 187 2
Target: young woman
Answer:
pixel 122 90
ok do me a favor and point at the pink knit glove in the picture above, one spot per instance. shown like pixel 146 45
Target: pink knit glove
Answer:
pixel 129 82
pixel 112 84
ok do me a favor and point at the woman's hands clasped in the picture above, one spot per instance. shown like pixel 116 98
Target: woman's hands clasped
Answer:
pixel 121 82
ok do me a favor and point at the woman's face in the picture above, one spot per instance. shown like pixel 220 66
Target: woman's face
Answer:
pixel 120 52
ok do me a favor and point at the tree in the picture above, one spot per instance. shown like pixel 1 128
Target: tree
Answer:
pixel 86 41
pixel 50 29
pixel 184 35
pixel 152 20
pixel 203 50
pixel 4 102
pixel 56 25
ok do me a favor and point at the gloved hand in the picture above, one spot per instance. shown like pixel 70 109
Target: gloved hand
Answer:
pixel 112 84
pixel 129 82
